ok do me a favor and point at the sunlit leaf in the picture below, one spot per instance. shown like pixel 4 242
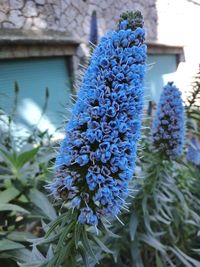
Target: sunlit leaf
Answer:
pixel 25 157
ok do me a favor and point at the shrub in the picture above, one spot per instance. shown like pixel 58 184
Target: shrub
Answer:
pixel 24 168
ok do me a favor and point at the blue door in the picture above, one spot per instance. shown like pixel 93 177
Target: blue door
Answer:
pixel 160 66
pixel 33 76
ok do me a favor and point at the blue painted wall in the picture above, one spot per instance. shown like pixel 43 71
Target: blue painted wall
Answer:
pixel 33 76
pixel 159 66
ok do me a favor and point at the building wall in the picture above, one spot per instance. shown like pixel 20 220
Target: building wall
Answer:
pixel 73 15
pixel 167 21
pixel 178 24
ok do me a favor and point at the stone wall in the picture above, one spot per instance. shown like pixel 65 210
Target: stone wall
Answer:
pixel 73 15
pixel 166 21
pixel 178 24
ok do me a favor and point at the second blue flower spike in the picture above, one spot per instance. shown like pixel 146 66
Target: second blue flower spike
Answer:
pixel 168 126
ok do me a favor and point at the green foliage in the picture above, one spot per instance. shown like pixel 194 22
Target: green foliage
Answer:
pixel 25 163
pixel 72 244
pixel 193 107
pixel 162 228
pixel 194 97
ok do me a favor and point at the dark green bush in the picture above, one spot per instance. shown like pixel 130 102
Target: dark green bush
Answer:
pixel 25 163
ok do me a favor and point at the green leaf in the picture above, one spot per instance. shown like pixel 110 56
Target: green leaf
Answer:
pixel 26 156
pixel 87 245
pixel 43 240
pixel 8 194
pixel 7 156
pixel 104 228
pixel 63 235
pixel 100 244
pixel 196 250
pixel 45 226
pixel 135 254
pixel 20 236
pixel 12 207
pixel 133 225
pixel 195 216
pixel 73 260
pixel 180 196
pixel 37 255
pixel 27 258
pixel 83 254
pixel 42 202
pixel 19 255
pixel 6 244
pixel 49 253
pixel 162 219
pixel 185 259
pixel 152 242
pixel 146 214
pixel 11 159
pixel 158 261
pixel 51 263
pixel 77 234
pixel 166 211
pixel 55 223
pixel 32 264
pixel 64 253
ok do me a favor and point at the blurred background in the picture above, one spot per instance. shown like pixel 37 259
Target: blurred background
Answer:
pixel 43 43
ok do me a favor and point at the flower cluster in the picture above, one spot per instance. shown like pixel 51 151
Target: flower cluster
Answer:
pixel 168 125
pixel 96 158
pixel 193 153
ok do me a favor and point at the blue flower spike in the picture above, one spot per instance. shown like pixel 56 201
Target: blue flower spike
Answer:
pixel 168 125
pixel 97 156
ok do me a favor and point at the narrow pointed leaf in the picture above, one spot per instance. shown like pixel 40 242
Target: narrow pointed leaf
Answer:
pixel 41 201
pixel 12 207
